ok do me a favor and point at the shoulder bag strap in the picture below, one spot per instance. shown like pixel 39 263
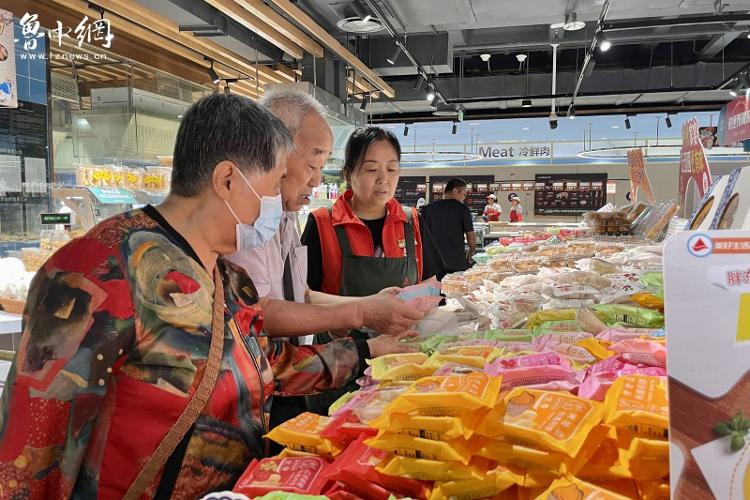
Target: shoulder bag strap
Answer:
pixel 197 402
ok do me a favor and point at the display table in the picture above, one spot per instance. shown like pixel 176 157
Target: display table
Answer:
pixel 499 230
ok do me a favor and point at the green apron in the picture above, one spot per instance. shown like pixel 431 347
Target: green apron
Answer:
pixel 363 276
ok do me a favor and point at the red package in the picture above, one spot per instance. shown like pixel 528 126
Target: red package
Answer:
pixel 345 428
pixel 302 475
pixel 339 491
pixel 356 467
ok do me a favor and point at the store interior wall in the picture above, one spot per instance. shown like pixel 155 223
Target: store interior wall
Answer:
pixel 664 178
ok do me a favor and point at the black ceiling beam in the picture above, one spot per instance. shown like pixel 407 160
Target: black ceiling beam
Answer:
pixel 679 21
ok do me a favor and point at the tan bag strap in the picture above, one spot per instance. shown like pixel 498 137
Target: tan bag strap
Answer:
pixel 156 461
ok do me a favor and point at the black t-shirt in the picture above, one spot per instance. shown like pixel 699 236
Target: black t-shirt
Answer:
pixel 432 263
pixel 448 221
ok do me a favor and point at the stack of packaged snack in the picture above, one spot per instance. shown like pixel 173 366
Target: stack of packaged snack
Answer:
pixel 544 385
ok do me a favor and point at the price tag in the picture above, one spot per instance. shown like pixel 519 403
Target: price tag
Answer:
pixel 54 219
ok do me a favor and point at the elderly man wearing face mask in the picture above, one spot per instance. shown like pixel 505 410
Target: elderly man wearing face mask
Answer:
pixel 142 370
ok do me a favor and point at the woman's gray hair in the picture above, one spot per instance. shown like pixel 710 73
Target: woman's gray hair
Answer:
pixel 225 127
pixel 291 105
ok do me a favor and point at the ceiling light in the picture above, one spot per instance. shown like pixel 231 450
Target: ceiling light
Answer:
pixel 485 57
pixel 604 43
pixel 526 103
pixel 735 91
pixel 367 18
pixel 394 57
pixel 668 121
pixel 572 112
pixel 406 130
pixel 627 123
pixel 435 101
pixel 748 35
pixel 615 126
pixel 430 94
pixel 360 22
pixel 525 128
pixel 227 90
pixel 572 23
pixel 455 128
pixel 419 82
pixel 213 75
pixel 363 106
pixel 521 57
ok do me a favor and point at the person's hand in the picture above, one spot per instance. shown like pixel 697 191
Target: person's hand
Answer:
pixel 389 315
pixel 392 290
pixel 392 344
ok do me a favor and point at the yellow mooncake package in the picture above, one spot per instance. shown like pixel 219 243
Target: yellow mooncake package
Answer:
pixel 596 348
pixel 605 464
pixel 654 490
pixel 399 367
pixel 437 428
pixel 290 453
pixel 556 421
pixel 302 433
pixel 476 356
pixel 623 487
pixel 639 403
pixel 647 459
pixel 648 300
pixel 523 493
pixel 433 470
pixel 571 488
pixel 492 485
pixel 540 317
pixel 450 395
pixel 456 450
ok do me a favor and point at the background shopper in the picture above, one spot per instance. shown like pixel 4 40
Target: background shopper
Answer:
pixel 450 221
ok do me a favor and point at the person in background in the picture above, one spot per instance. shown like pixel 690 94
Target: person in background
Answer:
pixel 450 222
pixel 279 268
pixel 142 371
pixel 493 210
pixel 516 210
pixel 421 204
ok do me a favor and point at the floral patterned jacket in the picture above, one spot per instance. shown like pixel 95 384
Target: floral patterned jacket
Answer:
pixel 117 330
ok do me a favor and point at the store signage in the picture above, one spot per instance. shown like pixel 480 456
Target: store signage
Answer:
pixel 98 31
pixel 113 196
pixel 693 162
pixel 737 120
pixel 515 151
pixel 707 299
pixel 55 218
pixel 569 194
pixel 611 187
pixel 639 180
pixel 8 86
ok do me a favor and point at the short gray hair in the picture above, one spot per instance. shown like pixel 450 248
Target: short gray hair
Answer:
pixel 225 127
pixel 291 105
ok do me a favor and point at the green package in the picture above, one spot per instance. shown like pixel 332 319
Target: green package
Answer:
pixel 629 315
pixel 557 327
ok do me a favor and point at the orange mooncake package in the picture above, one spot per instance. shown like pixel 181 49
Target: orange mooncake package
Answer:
pixel 405 367
pixel 450 395
pixel 639 403
pixel 456 450
pixel 303 433
pixel 433 470
pixel 572 488
pixel 556 421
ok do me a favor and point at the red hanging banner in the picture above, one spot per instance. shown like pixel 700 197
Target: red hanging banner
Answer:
pixel 693 162
pixel 738 120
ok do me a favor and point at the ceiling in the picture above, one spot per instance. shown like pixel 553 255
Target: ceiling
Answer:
pixel 665 55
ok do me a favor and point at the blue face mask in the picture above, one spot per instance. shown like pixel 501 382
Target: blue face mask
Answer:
pixel 265 226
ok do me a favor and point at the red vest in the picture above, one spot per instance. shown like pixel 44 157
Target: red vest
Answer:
pixel 360 238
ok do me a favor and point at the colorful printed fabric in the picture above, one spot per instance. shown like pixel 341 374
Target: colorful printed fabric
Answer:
pixel 117 330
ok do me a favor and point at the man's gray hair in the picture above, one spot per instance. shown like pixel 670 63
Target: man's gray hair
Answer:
pixel 291 105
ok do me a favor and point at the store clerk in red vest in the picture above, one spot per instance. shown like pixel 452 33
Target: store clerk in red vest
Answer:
pixel 367 241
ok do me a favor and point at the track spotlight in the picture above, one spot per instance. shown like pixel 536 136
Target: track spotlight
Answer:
pixel 430 94
pixel 572 23
pixel 454 129
pixel 735 91
pixel 394 57
pixel 419 82
pixel 213 75
pixel 434 101
pixel 406 130
pixel 572 112
pixel 227 90
pixel 363 105
pixel 627 123
pixel 604 43
pixel 668 121
pixel 526 103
